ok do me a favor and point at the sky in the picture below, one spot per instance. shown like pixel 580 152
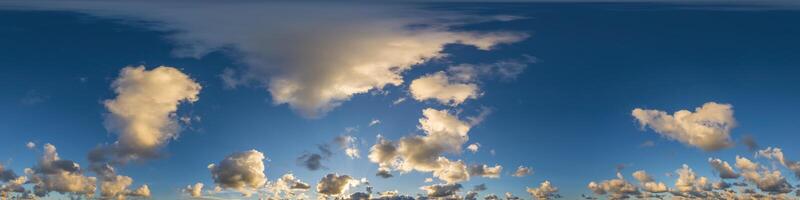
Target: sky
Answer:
pixel 354 100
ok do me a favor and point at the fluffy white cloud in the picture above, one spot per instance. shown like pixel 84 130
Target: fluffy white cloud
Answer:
pixel 690 184
pixel 143 113
pixel 617 188
pixel 544 191
pixel 648 183
pixel 723 168
pixel 444 89
pixel 348 144
pixel 522 171
pixel 336 185
pixel 473 147
pixel 195 190
pixel 766 180
pixel 53 174
pixel 242 171
pixel 708 127
pixel 451 171
pixel 287 187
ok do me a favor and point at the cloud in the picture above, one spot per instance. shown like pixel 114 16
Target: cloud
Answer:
pixel 383 173
pixel 776 154
pixel 690 184
pixel 442 190
pixel 313 161
pixel 708 127
pixel 723 168
pixel 522 171
pixel 335 184
pixel 143 112
pixel 479 187
pixel 474 147
pixel 617 188
pixel 195 190
pixel 374 122
pixel 764 179
pixel 648 183
pixel 348 144
pixel 750 143
pixel 53 174
pixel 507 69
pixel 485 171
pixel 451 171
pixel 442 88
pixel 242 171
pixel 287 187
pixel 30 145
pixel 544 191
pixel 312 63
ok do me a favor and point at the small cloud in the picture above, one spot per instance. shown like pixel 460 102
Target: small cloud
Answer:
pixel 374 122
pixel 30 145
pixel 474 147
pixel 33 97
pixel 399 100
pixel 523 171
pixel 648 143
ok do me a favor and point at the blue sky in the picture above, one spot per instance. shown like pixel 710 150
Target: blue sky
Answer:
pixel 567 115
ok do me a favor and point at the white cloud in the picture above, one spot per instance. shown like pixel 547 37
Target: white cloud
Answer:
pixel 448 191
pixel 287 187
pixel 708 127
pixel 195 190
pixel 242 171
pixel 374 122
pixel 143 113
pixel 348 144
pixel 53 174
pixel 474 147
pixel 648 183
pixel 485 171
pixel 544 191
pixel 766 180
pixel 522 171
pixel 776 154
pixel 617 188
pixel 336 185
pixel 30 145
pixel 442 88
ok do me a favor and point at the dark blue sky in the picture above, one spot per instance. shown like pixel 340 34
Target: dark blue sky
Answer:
pixel 568 115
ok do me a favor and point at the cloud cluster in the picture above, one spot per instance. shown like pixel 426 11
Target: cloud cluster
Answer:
pixel 776 154
pixel 544 191
pixel 708 127
pixel 241 171
pixel 447 191
pixel 444 133
pixel 53 174
pixel 287 187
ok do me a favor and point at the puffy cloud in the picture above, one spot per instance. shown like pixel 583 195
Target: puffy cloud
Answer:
pixel 617 188
pixel 485 171
pixel 442 88
pixel 242 171
pixel 544 191
pixel 776 154
pixel 143 113
pixel 648 183
pixel 723 168
pixel 336 185
pixel 313 161
pixel 522 171
pixel 287 187
pixel 764 179
pixel 11 182
pixel 53 174
pixel 384 173
pixel 473 147
pixel 313 63
pixel 195 190
pixel 690 184
pixel 510 196
pixel 444 133
pixel 116 187
pixel 708 127
pixel 30 145
pixel 442 190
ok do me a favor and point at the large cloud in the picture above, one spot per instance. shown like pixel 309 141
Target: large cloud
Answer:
pixel 143 113
pixel 242 171
pixel 766 180
pixel 312 63
pixel 708 127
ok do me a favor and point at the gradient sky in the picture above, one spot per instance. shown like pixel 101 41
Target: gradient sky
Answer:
pixel 567 115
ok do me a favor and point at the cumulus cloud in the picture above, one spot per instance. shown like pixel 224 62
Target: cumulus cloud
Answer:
pixel 442 190
pixel 336 185
pixel 766 180
pixel 444 133
pixel 522 171
pixel 313 161
pixel 474 147
pixel 53 174
pixel 648 183
pixel 313 63
pixel 485 171
pixel 708 127
pixel 544 191
pixel 442 88
pixel 723 168
pixel 195 190
pixel 617 188
pixel 143 112
pixel 348 144
pixel 774 153
pixel 241 171
pixel 30 145
pixel 690 184
pixel 287 187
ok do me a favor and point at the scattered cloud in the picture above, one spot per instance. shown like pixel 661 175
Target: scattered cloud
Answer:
pixel 522 171
pixel 707 128
pixel 374 122
pixel 544 191
pixel 242 171
pixel 442 190
pixel 474 147
pixel 442 88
